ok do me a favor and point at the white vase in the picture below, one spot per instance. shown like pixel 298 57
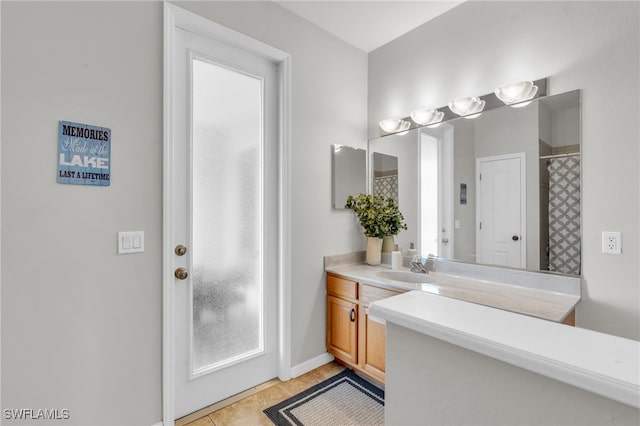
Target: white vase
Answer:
pixel 374 246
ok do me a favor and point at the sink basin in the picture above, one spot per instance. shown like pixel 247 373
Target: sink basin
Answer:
pixel 408 277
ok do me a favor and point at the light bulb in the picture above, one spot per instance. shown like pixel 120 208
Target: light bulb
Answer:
pixel 424 117
pixel 470 107
pixel 394 125
pixel 516 93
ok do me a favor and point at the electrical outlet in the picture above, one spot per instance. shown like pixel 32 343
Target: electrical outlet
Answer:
pixel 611 242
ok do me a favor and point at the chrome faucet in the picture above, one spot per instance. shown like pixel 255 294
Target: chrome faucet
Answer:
pixel 417 265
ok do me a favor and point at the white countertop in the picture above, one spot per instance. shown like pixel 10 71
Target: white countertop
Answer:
pixel 600 363
pixel 540 303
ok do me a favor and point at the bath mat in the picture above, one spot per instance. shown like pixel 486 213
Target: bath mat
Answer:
pixel 344 399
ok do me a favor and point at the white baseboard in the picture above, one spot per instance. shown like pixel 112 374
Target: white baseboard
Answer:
pixel 305 367
pixel 159 424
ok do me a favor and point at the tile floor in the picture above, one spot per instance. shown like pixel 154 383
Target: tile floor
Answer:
pixel 248 411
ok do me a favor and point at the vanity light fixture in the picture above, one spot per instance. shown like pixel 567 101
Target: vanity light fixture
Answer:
pixel 515 94
pixel 394 125
pixel 470 107
pixel 425 117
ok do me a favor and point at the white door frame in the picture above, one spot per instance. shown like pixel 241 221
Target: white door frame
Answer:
pixel 0 195
pixel 176 17
pixel 523 200
pixel 445 140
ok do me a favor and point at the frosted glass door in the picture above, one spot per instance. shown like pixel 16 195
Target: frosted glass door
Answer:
pixel 227 229
pixel 224 211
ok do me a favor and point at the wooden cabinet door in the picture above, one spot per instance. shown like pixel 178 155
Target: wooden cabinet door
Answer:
pixel 342 329
pixel 375 339
pixel 373 332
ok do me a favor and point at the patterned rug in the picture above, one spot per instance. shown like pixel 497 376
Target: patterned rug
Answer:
pixel 344 399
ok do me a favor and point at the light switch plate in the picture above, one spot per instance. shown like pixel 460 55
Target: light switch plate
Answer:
pixel 130 242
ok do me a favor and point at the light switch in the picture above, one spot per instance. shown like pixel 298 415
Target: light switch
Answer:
pixel 130 242
pixel 126 242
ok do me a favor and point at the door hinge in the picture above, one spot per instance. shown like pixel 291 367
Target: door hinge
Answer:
pixel 480 176
pixel 480 225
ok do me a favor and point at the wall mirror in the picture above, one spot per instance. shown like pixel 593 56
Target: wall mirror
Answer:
pixel 349 173
pixel 500 189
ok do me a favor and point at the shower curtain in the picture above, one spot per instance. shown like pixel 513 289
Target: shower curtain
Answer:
pixel 564 214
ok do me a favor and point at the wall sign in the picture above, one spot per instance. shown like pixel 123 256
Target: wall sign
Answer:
pixel 84 154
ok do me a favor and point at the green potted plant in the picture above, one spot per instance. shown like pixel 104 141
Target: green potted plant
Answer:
pixel 380 217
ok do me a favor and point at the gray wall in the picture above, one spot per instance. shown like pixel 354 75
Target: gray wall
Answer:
pixel 544 124
pixel 562 132
pixel 81 326
pixel 464 165
pixel 593 46
pixel 450 385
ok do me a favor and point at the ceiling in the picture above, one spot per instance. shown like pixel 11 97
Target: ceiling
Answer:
pixel 368 24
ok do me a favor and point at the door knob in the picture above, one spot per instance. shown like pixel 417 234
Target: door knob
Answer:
pixel 445 240
pixel 180 250
pixel 181 274
pixel 515 238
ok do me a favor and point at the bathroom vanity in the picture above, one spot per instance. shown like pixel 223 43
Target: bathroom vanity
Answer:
pixel 358 339
pixel 353 336
pixel 482 344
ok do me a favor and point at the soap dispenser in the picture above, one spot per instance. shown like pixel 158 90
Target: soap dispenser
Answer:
pixel 396 258
pixel 411 251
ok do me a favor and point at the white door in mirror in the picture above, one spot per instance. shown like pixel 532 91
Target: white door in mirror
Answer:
pixel 500 205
